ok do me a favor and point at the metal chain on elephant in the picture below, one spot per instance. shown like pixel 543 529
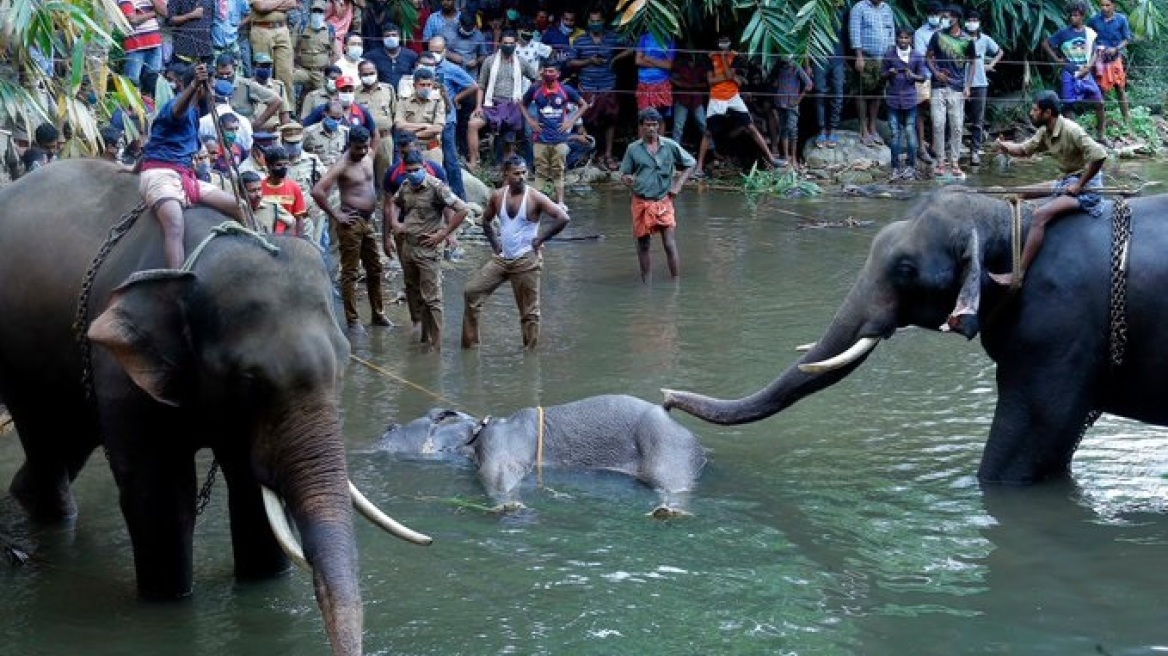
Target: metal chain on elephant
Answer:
pixel 1121 232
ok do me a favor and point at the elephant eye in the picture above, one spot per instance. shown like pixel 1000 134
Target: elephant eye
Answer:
pixel 904 270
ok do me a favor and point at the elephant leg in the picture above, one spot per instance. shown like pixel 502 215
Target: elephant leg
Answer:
pixel 56 444
pixel 1037 423
pixel 257 554
pixel 155 474
pixel 501 477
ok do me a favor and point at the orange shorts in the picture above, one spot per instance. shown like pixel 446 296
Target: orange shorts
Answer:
pixel 651 216
pixel 1110 74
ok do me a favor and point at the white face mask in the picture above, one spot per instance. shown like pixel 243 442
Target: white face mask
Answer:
pixel 934 21
pixel 392 42
pixel 316 20
pixel 972 26
pixel 369 80
pixel 346 97
pixel 355 52
pixel 945 23
pixel 438 56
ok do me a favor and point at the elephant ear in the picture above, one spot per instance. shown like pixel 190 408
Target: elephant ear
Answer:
pixel 145 329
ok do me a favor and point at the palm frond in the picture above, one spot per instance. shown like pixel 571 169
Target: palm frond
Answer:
pixel 661 18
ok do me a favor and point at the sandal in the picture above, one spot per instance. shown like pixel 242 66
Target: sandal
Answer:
pixel 833 141
pixel 821 140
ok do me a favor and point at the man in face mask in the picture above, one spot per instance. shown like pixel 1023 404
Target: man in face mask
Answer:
pixel 501 86
pixel 262 72
pixel 305 169
pixel 223 88
pixel 314 49
pixel 934 12
pixel 562 35
pixel 423 114
pixel 354 52
pixel 417 213
pixel 327 138
pixel 593 56
pixel 551 125
pixel 460 89
pixel 230 154
pixel 380 100
pixel 257 156
pixel 391 59
pixel 467 46
pixel 283 191
pixel 323 95
pixel 247 94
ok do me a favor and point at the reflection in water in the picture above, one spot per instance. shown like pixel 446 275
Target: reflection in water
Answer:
pixel 851 523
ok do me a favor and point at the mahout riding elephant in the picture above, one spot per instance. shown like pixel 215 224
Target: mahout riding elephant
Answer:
pixel 240 354
pixel 1050 338
pixel 613 432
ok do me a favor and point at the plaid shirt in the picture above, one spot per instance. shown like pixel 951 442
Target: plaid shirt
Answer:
pixel 872 28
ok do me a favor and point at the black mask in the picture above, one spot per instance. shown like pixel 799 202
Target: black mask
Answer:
pixel 278 171
pixel 508 50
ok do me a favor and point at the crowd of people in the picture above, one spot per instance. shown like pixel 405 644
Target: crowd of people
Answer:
pixel 320 112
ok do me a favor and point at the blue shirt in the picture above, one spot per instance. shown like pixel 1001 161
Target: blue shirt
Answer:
pixel 391 68
pixel 468 47
pixel 598 77
pixel 173 139
pixel 456 80
pixel 648 46
pixel 439 25
pixel 551 109
pixel 872 28
pixel 1111 33
pixel 561 44
pixel 357 115
pixel 225 27
pixel 1075 45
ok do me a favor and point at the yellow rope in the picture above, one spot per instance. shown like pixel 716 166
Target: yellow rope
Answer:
pixel 539 449
pixel 390 374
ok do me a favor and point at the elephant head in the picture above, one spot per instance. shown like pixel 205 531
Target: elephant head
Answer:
pixel 925 271
pixel 245 355
pixel 441 433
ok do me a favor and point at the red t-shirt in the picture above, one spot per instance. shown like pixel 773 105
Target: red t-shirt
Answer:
pixel 288 195
pixel 146 35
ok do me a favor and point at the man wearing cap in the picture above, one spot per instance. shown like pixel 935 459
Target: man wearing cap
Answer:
pixel 270 34
pixel 391 59
pixel 314 49
pixel 269 214
pixel 324 94
pixel 305 169
pixel 255 160
pixel 419 206
pixel 380 99
pixel 353 220
pixel 223 90
pixel 262 73
pixel 649 167
pixel 329 138
pixel 423 114
pixel 246 94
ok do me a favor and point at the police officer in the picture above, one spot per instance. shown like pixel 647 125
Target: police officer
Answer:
pixel 267 213
pixel 262 74
pixel 318 97
pixel 379 98
pixel 270 34
pixel 306 170
pixel 261 141
pixel 314 50
pixel 329 138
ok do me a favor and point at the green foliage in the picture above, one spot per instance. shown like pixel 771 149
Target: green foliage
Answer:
pixel 661 18
pixel 778 182
pixel 1142 125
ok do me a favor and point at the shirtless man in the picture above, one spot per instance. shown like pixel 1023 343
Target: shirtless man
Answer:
pixel 353 175
pixel 516 248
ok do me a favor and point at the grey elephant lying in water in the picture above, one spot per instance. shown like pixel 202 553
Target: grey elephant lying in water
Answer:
pixel 611 432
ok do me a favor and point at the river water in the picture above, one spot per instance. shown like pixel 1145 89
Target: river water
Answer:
pixel 849 524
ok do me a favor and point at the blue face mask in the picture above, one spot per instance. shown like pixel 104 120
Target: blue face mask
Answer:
pixel 331 124
pixel 262 74
pixel 416 178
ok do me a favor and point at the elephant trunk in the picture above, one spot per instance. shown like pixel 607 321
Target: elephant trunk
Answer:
pixel 307 467
pixel 863 319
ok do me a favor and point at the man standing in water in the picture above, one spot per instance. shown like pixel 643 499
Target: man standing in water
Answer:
pixel 353 175
pixel 649 167
pixel 516 249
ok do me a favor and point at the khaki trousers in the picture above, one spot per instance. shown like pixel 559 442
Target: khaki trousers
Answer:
pixel 523 272
pixel 277 42
pixel 422 277
pixel 359 247
pixel 550 161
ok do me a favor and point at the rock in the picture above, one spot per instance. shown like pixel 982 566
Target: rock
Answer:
pixel 589 175
pixel 848 152
pixel 860 178
pixel 876 191
pixel 476 191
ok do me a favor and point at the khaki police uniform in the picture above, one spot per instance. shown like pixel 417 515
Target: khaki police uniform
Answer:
pixel 380 101
pixel 432 111
pixel 250 98
pixel 314 51
pixel 270 34
pixel 314 99
pixel 306 170
pixel 328 147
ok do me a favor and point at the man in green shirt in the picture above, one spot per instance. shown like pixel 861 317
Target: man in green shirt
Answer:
pixel 1079 158
pixel 651 166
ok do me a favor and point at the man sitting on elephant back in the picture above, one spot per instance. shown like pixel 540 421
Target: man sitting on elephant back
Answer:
pixel 1080 159
pixel 167 181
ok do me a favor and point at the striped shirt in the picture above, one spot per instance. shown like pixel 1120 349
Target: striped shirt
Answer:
pixel 872 28
pixel 146 35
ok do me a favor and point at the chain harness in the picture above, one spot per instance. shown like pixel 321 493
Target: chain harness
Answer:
pixel 81 316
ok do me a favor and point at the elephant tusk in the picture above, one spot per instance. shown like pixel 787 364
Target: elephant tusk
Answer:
pixel 383 521
pixel 857 351
pixel 274 509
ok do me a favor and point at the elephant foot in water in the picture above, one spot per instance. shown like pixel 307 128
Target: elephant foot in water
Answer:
pixel 508 508
pixel 46 498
